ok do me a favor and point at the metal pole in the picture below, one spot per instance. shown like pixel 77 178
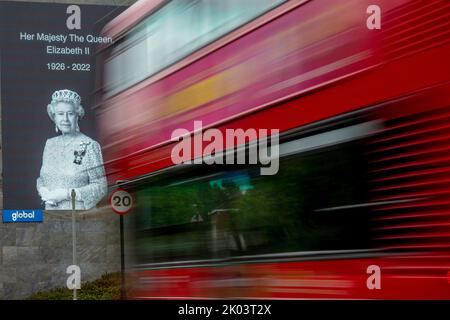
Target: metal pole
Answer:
pixel 122 260
pixel 74 239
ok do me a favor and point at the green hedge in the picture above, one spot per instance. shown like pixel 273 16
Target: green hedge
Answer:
pixel 105 288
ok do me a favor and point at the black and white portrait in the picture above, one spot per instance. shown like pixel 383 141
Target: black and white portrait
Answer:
pixel 30 75
pixel 71 160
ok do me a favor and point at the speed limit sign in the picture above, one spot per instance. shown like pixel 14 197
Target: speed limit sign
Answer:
pixel 121 201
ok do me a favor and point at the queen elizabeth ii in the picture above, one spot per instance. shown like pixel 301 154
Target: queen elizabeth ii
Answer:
pixel 71 160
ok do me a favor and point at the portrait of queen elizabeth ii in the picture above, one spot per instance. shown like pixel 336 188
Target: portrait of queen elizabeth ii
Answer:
pixel 71 160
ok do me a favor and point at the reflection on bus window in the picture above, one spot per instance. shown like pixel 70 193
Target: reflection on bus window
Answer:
pixel 309 205
pixel 172 33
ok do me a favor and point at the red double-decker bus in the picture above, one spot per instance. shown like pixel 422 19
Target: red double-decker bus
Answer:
pixel 360 205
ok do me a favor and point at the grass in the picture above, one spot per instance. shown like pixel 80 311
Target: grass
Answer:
pixel 105 288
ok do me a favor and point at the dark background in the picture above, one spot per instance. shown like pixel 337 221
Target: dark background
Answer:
pixel 27 86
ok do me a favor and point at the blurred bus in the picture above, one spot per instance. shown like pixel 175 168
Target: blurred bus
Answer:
pixel 364 175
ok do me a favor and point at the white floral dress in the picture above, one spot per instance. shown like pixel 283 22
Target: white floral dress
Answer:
pixel 73 162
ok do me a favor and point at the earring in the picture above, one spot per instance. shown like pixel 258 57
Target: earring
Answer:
pixel 56 128
pixel 77 127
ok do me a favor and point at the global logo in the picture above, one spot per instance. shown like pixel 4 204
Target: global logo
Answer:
pixel 22 216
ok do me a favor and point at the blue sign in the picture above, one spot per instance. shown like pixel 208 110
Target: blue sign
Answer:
pixel 23 216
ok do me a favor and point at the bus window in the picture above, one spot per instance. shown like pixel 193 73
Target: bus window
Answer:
pixel 173 32
pixel 312 204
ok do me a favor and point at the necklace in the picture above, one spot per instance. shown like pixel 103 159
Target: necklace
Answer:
pixel 66 139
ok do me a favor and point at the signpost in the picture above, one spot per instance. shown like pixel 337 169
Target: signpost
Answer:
pixel 121 203
pixel 74 239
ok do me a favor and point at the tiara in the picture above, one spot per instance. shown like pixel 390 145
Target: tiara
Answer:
pixel 66 95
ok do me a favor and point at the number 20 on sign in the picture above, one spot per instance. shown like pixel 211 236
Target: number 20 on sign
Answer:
pixel 121 201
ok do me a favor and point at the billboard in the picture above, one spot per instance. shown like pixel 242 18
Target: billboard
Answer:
pixel 49 144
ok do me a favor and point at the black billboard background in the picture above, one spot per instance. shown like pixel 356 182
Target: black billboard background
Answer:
pixel 27 85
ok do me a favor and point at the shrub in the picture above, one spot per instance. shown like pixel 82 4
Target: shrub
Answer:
pixel 105 288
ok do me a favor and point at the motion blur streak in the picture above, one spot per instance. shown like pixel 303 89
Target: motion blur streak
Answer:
pixel 364 175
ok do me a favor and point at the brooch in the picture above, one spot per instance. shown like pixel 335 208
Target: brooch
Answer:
pixel 79 154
